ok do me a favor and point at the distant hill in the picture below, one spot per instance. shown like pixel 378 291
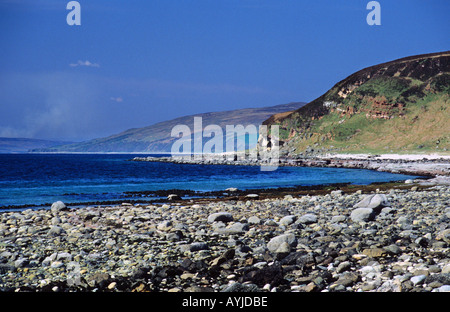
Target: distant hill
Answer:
pixel 22 145
pixel 157 138
pixel 399 106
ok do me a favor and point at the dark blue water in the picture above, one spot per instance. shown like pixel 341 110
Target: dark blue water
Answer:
pixel 33 179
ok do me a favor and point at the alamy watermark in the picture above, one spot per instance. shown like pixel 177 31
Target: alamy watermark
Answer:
pixel 74 16
pixel 374 16
pixel 249 143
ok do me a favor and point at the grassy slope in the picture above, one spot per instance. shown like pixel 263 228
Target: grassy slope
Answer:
pixel 425 124
pixel 418 111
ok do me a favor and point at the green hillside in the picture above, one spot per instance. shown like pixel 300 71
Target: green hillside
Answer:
pixel 400 106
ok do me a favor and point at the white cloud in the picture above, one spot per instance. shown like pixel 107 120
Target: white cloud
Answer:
pixel 84 63
pixel 116 99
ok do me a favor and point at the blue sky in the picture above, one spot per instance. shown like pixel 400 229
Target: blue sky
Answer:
pixel 134 63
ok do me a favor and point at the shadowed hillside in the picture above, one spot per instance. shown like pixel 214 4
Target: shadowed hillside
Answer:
pixel 157 138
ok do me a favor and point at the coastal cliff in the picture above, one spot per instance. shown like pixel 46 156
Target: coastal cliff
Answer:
pixel 400 106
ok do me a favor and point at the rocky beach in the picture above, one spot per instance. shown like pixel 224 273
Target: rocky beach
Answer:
pixel 363 239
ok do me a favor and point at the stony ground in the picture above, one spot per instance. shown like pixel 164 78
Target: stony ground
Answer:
pixel 396 240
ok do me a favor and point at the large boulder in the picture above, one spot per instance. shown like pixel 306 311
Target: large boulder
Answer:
pixel 57 207
pixel 362 214
pixel 369 207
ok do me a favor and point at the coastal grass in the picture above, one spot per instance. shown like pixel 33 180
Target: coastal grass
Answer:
pixel 424 128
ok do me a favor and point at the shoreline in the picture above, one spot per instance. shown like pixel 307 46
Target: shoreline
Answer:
pixel 161 197
pixel 431 165
pixel 392 238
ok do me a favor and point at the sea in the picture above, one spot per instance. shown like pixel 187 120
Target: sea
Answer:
pixel 38 180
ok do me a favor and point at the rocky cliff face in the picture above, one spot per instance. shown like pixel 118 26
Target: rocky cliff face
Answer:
pixel 406 99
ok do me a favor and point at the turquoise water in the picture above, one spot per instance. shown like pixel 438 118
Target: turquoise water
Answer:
pixel 35 179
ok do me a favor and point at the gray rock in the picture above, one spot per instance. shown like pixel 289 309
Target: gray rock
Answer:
pixel 362 214
pixel 56 220
pixel 56 230
pixel 388 210
pixel 57 207
pixel 20 263
pixel 393 249
pixel 198 246
pixel 220 216
pixel 283 250
pixel 402 220
pixel 174 236
pixel 165 225
pixel 234 228
pixel 5 268
pixel 97 278
pixel 343 266
pixel 287 220
pixel 308 218
pixel 277 241
pixel 444 288
pixel 348 279
pixel 254 220
pixel 336 219
pixel 270 222
pixel 443 278
pixel 48 260
pixel 444 235
pixel 418 279
pixel 238 287
pixel 56 264
pixel 373 201
pixel 446 269
pixel 64 256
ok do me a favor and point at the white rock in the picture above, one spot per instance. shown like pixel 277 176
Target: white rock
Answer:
pixel 445 288
pixel 308 218
pixel 277 241
pixel 287 220
pixel 254 220
pixel 418 279
pixel 361 214
pixel 373 201
pixel 57 207
pixel 220 216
